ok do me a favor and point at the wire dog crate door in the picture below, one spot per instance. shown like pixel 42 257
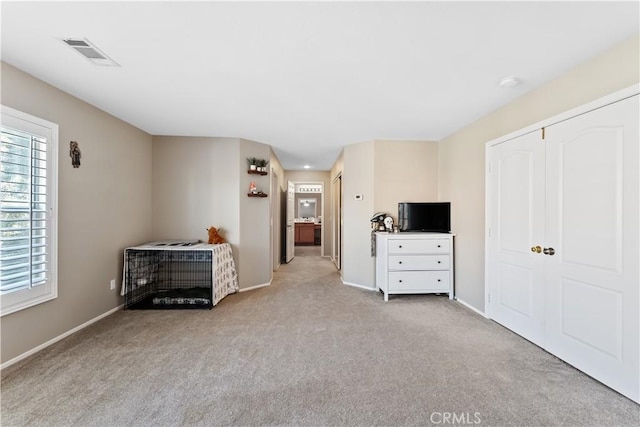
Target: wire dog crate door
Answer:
pixel 168 279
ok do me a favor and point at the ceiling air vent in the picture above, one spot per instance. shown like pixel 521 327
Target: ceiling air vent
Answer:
pixel 85 48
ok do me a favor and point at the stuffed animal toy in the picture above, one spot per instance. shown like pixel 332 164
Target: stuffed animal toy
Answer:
pixel 214 237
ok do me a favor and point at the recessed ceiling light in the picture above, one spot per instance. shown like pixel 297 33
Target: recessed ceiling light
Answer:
pixel 307 167
pixel 509 81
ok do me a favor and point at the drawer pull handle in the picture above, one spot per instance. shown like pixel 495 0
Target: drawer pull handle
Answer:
pixel 399 246
pixel 399 262
pixel 439 246
pixel 439 280
pixel 438 262
pixel 400 281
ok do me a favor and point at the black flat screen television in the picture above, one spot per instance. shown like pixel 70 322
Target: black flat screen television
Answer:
pixel 423 216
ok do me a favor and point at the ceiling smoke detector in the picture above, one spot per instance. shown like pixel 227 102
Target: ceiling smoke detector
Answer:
pixel 509 81
pixel 85 48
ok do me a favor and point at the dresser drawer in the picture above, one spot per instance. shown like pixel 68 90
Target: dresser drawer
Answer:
pixel 418 246
pixel 418 262
pixel 418 281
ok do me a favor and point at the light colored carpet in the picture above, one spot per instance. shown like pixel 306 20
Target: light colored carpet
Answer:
pixel 307 251
pixel 306 351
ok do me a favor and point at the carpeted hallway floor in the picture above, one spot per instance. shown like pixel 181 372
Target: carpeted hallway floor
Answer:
pixel 305 351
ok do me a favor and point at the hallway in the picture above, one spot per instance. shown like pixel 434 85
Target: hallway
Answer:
pixel 307 251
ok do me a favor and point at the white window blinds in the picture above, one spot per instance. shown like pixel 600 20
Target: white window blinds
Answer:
pixel 27 220
pixel 23 215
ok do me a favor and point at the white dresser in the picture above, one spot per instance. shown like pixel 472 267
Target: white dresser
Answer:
pixel 414 263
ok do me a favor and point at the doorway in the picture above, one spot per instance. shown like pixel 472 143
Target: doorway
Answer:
pixel 308 219
pixel 275 221
pixel 336 215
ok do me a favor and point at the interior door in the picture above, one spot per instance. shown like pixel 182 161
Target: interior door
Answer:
pixel 516 235
pixel 592 317
pixel 291 200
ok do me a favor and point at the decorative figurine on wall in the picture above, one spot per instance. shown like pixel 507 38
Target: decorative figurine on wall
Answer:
pixel 74 153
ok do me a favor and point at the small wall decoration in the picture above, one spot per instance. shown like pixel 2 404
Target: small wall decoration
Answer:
pixel 74 153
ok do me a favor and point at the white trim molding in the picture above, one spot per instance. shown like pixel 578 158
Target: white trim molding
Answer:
pixel 250 288
pixel 355 285
pixel 58 338
pixel 472 308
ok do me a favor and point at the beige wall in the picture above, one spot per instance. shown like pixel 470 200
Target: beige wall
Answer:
pixel 385 173
pixel 324 178
pixel 462 154
pixel 278 206
pixel 338 166
pixel 335 219
pixel 358 178
pixel 203 182
pixel 193 189
pixel 255 266
pixel 103 207
pixel 404 171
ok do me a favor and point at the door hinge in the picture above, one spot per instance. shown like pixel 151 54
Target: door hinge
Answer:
pixel 488 298
pixel 543 132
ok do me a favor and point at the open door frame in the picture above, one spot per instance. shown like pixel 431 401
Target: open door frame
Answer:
pixel 336 220
pixel 291 230
pixel 275 221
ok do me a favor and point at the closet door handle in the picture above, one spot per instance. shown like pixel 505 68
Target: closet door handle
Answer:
pixel 549 251
pixel 536 249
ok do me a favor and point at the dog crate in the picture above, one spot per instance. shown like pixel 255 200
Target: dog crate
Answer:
pixel 166 278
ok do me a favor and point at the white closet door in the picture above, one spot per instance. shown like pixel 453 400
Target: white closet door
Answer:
pixel 516 212
pixel 592 317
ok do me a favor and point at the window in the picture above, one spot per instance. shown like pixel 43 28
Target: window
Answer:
pixel 28 211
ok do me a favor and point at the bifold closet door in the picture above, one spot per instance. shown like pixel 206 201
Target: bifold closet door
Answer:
pixel 516 211
pixel 592 298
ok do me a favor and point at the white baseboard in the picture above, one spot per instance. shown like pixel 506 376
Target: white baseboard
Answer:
pixel 355 285
pixel 255 287
pixel 58 338
pixel 472 308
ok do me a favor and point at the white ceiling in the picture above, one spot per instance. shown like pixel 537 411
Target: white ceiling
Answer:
pixel 306 77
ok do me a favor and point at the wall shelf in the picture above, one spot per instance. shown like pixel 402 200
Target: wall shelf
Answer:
pixel 257 195
pixel 256 172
